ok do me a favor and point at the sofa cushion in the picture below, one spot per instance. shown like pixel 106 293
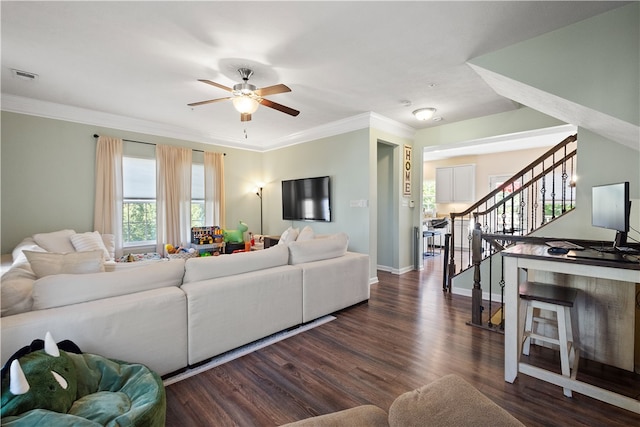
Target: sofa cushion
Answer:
pixel 28 244
pixel 332 246
pixel 197 269
pixel 16 286
pixel 66 289
pixel 89 241
pixel 305 234
pixel 448 401
pixel 109 241
pixel 289 235
pixel 50 263
pixel 56 241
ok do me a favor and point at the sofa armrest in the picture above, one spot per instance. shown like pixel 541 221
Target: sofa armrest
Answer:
pixel 365 415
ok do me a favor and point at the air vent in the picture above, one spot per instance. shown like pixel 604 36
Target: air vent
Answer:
pixel 24 75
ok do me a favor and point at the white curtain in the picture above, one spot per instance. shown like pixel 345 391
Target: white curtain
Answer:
pixel 214 189
pixel 107 216
pixel 173 167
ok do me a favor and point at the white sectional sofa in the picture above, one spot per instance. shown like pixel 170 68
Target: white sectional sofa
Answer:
pixel 172 314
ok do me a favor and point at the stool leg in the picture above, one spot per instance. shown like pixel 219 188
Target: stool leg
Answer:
pixel 528 325
pixel 572 349
pixel 564 349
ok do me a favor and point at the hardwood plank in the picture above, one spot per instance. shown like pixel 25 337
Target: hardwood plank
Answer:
pixel 408 334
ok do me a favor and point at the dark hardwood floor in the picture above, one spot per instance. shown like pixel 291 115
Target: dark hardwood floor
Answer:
pixel 408 334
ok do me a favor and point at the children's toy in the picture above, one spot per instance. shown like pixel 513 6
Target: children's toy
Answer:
pixel 44 384
pixel 237 235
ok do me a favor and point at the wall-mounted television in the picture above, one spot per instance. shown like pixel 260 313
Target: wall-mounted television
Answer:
pixel 307 199
pixel 610 208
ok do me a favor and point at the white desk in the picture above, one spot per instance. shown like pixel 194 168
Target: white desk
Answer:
pixel 517 261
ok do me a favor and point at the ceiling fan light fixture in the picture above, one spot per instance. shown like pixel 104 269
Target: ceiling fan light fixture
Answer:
pixel 245 104
pixel 424 113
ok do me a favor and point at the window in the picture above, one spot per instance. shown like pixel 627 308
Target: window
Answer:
pixel 197 195
pixel 139 219
pixel 139 201
pixel 429 199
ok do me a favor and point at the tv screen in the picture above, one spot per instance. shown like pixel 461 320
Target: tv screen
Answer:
pixel 307 199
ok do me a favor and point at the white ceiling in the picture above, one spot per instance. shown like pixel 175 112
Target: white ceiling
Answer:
pixel 137 63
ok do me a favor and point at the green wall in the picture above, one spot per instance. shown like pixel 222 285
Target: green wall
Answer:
pixel 594 63
pixel 344 159
pixel 47 176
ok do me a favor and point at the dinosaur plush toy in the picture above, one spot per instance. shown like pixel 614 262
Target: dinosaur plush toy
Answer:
pixel 42 384
pixel 41 376
pixel 237 235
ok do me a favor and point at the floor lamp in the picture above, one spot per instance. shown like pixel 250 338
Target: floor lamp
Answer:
pixel 259 194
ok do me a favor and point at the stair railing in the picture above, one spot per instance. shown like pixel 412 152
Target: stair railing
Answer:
pixel 537 194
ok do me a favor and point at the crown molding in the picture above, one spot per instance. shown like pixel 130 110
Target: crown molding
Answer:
pixel 393 127
pixel 51 110
pixel 350 124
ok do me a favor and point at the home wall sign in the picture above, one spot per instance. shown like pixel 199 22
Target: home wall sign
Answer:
pixel 406 171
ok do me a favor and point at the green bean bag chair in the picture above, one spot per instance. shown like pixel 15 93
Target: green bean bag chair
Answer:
pixel 45 385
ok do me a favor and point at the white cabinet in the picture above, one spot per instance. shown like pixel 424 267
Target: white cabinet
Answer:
pixel 456 184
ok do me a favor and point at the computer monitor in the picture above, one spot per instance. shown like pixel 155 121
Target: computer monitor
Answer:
pixel 610 208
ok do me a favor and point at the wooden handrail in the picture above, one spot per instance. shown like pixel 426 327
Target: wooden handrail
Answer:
pixel 512 208
pixel 526 185
pixel 515 177
pixel 533 178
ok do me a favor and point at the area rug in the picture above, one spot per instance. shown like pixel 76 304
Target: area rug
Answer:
pixel 249 348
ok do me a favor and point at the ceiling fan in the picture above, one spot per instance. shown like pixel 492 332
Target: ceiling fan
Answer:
pixel 246 97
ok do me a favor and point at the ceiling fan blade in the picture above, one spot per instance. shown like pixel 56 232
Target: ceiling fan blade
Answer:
pixel 245 117
pixel 210 101
pixel 218 85
pixel 272 90
pixel 279 107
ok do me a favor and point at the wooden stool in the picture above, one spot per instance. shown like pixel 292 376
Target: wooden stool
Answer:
pixel 557 299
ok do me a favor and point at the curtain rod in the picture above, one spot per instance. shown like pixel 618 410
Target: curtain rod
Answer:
pixel 95 135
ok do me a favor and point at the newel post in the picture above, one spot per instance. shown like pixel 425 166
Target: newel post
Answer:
pixel 476 293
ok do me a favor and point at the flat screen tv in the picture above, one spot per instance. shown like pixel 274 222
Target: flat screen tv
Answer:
pixel 610 208
pixel 307 199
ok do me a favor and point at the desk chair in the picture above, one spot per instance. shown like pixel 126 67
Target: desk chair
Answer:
pixel 559 300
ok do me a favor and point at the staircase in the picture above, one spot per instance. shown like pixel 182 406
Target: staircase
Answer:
pixel 538 194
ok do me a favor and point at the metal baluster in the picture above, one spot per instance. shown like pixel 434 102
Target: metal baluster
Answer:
pixel 543 190
pixel 523 206
pixel 513 209
pixel 534 205
pixel 553 186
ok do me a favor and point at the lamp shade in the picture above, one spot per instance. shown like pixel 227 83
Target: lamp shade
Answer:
pixel 424 113
pixel 245 104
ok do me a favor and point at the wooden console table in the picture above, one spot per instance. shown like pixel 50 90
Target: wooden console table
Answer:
pixel 520 261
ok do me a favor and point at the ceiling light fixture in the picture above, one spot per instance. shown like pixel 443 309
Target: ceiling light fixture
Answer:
pixel 245 99
pixel 245 104
pixel 424 113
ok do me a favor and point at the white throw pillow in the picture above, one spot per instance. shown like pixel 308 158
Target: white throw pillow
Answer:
pixel 109 241
pixel 306 234
pixel 16 287
pixel 289 235
pixel 49 263
pixel 332 246
pixel 90 241
pixel 67 289
pixel 57 241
